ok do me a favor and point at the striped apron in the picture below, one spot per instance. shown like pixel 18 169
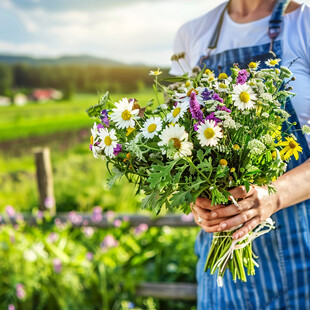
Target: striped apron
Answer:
pixel 283 279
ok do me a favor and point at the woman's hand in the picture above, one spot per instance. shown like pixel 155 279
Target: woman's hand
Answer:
pixel 255 207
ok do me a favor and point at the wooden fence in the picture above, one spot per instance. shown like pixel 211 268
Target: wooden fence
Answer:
pixel 181 291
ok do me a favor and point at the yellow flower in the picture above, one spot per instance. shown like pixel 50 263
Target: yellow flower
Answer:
pixel 128 155
pixel 129 131
pixel 236 147
pixel 208 72
pixel 291 148
pixel 223 76
pixel 232 169
pixel 91 140
pixel 223 162
pixel 187 84
pixel 253 65
pixel 272 62
pixel 274 155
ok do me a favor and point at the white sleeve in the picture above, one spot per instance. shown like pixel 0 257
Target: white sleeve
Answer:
pixel 181 44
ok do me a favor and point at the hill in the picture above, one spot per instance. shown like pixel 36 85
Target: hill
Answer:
pixel 63 60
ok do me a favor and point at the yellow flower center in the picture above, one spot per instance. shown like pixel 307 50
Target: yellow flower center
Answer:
pixel 91 140
pixel 176 112
pixel 211 78
pixel 223 162
pixel 222 85
pixel 190 91
pixel 252 65
pixel 273 62
pixel 244 97
pixel 209 133
pixel 151 128
pixel 128 156
pixel 176 143
pixel 236 147
pixel 274 154
pixel 292 144
pixel 187 84
pixel 232 169
pixel 208 72
pixel 107 141
pixel 223 76
pixel 126 115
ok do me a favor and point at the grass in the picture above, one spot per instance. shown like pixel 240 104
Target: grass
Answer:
pixel 36 119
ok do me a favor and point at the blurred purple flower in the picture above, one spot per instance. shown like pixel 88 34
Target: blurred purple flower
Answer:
pixel 217 98
pixel 207 94
pixel 85 222
pixel 40 215
pixel 223 108
pixel 97 215
pixel 20 291
pixel 108 242
pixel 141 228
pixel 57 264
pixel 49 202
pixel 52 237
pixel 89 256
pixel 126 218
pixel 104 117
pixel 212 117
pixel 110 215
pixel 194 107
pixel 117 149
pixel 11 307
pixel 187 218
pixel 10 211
pixel 117 223
pixel 242 76
pixel 99 126
pixel 75 218
pixel 88 231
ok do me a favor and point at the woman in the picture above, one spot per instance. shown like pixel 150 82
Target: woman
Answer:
pixel 242 31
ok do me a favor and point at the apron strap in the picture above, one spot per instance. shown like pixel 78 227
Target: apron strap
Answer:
pixel 274 30
pixel 275 22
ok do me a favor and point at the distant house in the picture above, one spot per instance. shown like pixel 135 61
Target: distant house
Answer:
pixel 20 99
pixel 40 94
pixel 4 101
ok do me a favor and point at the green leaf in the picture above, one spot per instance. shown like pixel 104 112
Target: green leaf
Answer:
pixel 247 186
pixel 94 111
pixel 149 202
pixel 115 175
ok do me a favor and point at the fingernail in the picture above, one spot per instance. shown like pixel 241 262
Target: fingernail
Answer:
pixel 223 225
pixel 214 215
pixel 236 236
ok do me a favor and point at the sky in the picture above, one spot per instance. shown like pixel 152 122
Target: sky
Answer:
pixel 129 31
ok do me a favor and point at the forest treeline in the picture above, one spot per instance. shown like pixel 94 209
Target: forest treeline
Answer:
pixel 73 78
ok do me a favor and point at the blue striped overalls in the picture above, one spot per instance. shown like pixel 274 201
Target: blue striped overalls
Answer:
pixel 283 279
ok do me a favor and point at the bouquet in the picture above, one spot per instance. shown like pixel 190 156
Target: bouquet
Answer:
pixel 213 133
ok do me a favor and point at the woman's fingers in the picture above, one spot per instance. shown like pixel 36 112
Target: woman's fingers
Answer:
pixel 246 228
pixel 240 192
pixel 237 220
pixel 205 203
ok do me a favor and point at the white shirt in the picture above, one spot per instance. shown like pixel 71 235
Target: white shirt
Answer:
pixel 193 39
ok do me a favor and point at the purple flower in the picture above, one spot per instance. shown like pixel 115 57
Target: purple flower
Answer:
pixel 187 218
pixel 10 211
pixel 242 76
pixel 57 264
pixel 104 118
pixel 40 215
pixel 223 108
pixel 52 237
pixel 11 307
pixel 49 202
pixel 117 149
pixel 75 218
pixel 108 242
pixel 217 98
pixel 88 231
pixel 141 228
pixel 207 94
pixel 89 256
pixel 91 147
pixel 20 291
pixel 117 223
pixel 97 215
pixel 194 107
pixel 213 118
pixel 110 215
pixel 126 218
pixel 99 126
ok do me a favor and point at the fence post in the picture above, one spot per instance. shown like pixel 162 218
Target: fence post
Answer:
pixel 45 179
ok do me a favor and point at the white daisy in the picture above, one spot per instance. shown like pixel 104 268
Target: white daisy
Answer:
pixel 123 115
pixel 94 141
pixel 186 96
pixel 209 133
pixel 151 127
pixel 177 112
pixel 272 62
pixel 108 141
pixel 243 97
pixel 178 137
pixel 223 86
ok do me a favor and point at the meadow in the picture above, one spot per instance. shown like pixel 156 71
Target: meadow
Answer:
pixel 56 266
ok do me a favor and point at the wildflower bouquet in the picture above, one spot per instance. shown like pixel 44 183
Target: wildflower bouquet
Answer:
pixel 211 135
